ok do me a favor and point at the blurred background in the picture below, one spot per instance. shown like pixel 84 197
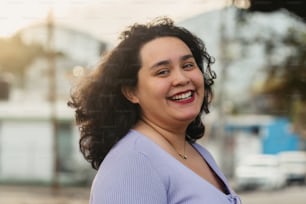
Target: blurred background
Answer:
pixel 257 126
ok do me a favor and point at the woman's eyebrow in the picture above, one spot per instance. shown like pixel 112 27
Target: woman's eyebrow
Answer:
pixel 167 62
pixel 160 63
pixel 185 57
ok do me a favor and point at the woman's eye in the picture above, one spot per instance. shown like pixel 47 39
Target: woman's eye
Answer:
pixel 188 66
pixel 162 72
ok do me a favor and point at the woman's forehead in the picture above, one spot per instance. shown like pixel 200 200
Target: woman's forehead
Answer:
pixel 164 48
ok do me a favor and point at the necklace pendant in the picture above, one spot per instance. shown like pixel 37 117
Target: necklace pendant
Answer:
pixel 183 156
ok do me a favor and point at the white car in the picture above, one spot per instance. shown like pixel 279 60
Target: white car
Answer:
pixel 293 163
pixel 259 171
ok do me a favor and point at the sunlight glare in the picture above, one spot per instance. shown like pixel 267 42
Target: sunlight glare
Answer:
pixel 18 14
pixel 104 18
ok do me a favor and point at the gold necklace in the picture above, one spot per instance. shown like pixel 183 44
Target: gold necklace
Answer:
pixel 183 156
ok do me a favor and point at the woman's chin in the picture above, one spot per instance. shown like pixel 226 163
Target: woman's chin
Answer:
pixel 188 117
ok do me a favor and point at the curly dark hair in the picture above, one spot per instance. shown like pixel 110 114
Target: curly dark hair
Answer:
pixel 103 113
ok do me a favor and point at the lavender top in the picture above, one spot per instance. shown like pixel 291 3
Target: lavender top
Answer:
pixel 138 171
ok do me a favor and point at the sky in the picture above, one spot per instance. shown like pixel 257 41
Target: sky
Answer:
pixel 104 19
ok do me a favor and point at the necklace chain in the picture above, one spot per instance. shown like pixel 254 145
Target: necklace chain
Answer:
pixel 183 156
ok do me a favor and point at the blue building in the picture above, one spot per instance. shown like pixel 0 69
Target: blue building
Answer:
pixel 279 137
pixel 273 134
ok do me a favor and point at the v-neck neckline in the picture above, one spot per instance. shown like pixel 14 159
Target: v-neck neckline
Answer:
pixel 204 157
pixel 227 191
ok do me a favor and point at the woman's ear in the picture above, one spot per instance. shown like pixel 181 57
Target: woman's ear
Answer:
pixel 129 94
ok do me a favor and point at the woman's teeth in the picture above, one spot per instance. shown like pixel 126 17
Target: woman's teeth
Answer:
pixel 182 96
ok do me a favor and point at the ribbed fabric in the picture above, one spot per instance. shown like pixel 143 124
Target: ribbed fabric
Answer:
pixel 137 171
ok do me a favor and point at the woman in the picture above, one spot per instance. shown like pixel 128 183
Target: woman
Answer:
pixel 139 115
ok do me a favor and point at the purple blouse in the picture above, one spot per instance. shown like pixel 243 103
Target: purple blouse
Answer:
pixel 138 171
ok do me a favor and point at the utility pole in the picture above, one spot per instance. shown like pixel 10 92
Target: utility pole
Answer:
pixel 221 114
pixel 222 140
pixel 226 58
pixel 53 99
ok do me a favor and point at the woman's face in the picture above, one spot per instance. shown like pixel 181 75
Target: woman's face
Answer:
pixel 170 85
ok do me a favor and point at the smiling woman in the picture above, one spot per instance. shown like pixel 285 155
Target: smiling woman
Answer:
pixel 139 115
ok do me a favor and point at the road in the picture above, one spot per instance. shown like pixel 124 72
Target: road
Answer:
pixel 291 194
pixel 45 195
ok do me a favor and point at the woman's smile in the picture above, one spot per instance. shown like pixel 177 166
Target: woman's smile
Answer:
pixel 183 97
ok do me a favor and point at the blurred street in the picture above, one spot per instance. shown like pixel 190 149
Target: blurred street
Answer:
pixel 43 195
pixel 291 194
pixel 72 195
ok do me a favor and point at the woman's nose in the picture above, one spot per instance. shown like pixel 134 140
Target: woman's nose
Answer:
pixel 180 78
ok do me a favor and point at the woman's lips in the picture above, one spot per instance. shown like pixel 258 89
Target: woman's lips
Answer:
pixel 183 97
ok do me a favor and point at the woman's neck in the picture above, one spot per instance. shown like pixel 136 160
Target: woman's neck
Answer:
pixel 175 138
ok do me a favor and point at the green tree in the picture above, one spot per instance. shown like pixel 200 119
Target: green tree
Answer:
pixel 16 56
pixel 286 82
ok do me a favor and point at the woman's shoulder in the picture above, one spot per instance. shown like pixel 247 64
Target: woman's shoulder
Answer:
pixel 133 150
pixel 134 143
pixel 126 171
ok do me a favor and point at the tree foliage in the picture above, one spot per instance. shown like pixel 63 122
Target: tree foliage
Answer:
pixel 286 82
pixel 16 56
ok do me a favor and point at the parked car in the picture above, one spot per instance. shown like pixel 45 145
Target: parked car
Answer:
pixel 259 171
pixel 293 163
